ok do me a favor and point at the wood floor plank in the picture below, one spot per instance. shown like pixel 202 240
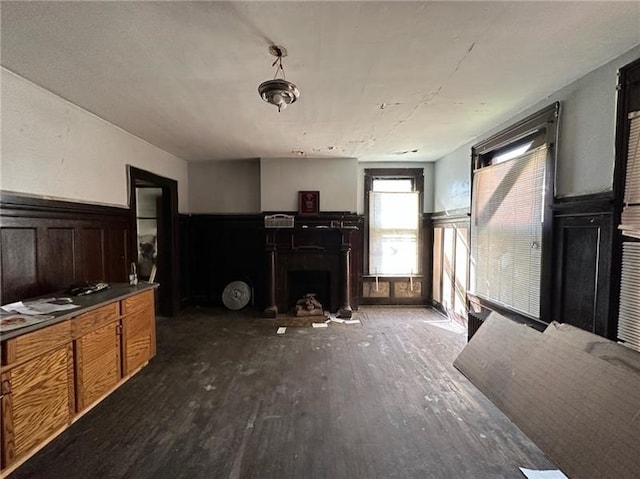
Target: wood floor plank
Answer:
pixel 226 397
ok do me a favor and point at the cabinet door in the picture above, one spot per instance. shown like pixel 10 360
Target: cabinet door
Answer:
pixel 138 340
pixel 97 364
pixel 39 401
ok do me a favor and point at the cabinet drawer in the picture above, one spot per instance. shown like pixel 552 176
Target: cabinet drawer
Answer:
pixel 33 344
pixel 95 319
pixel 138 302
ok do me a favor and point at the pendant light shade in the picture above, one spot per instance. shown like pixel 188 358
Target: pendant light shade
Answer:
pixel 279 91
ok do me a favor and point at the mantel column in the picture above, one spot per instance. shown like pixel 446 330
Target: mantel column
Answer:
pixel 345 310
pixel 272 310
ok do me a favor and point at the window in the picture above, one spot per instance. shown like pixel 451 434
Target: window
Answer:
pixel 506 231
pixel 629 311
pixel 394 211
pixel 513 181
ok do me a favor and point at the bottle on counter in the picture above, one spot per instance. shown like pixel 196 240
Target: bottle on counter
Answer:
pixel 133 275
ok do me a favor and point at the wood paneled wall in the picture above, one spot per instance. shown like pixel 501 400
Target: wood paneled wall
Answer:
pixel 218 249
pixel 583 236
pixel 46 245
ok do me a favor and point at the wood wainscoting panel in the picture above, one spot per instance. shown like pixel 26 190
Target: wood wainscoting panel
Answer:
pixel 60 254
pixel 40 399
pixel 19 261
pixel 582 269
pixel 46 245
pixel 92 251
pixel 118 252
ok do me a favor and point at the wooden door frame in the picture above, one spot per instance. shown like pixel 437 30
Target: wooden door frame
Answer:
pixel 169 303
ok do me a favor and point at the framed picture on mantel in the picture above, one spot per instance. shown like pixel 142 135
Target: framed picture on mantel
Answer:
pixel 308 202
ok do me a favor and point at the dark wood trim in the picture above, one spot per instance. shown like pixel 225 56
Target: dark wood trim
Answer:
pixel 525 127
pixel 321 214
pixel 169 290
pixel 13 204
pixel 589 204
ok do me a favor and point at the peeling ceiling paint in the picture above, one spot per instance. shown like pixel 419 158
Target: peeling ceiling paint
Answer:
pixel 374 77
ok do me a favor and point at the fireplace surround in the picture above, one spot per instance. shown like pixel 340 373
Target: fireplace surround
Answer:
pixel 309 256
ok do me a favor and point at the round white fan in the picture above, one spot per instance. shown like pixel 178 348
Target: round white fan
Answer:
pixel 236 295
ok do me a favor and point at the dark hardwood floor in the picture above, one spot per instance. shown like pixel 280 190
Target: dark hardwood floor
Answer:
pixel 228 398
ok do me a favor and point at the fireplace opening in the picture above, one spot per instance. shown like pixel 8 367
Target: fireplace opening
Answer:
pixel 304 282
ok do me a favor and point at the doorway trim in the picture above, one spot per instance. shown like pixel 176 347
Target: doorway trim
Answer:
pixel 169 297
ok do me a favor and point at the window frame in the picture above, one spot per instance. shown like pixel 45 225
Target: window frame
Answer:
pixel 417 177
pixel 628 100
pixel 544 123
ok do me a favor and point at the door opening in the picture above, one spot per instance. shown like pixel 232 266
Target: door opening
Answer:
pixel 153 201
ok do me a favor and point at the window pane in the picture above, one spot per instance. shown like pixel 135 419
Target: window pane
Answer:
pixel 437 264
pixel 447 268
pixel 393 233
pixel 395 185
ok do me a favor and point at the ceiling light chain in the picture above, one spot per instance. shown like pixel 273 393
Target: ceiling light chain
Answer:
pixel 278 92
pixel 279 67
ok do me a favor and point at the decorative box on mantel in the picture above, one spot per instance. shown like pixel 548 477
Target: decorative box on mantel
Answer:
pixel 311 257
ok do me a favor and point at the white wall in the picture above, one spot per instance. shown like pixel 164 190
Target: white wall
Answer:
pixel 586 144
pixel 231 186
pixel 53 148
pixel 335 178
pixel 428 169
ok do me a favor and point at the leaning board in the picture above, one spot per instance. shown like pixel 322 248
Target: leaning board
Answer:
pixel 576 395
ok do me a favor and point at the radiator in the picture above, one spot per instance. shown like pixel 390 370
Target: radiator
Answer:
pixel 475 321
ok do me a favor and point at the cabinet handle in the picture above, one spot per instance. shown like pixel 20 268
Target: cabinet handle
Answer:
pixel 119 329
pixel 6 388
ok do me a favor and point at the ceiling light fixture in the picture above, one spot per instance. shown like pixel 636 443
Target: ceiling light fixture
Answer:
pixel 278 92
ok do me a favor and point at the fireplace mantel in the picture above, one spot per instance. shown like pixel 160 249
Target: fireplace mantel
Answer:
pixel 309 247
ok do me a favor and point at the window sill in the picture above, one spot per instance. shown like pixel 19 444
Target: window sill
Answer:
pixel 392 276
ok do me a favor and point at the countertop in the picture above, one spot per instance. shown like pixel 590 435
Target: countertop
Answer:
pixel 87 303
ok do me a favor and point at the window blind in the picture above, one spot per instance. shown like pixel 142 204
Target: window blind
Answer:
pixel 629 311
pixel 506 232
pixel 393 233
pixel 631 212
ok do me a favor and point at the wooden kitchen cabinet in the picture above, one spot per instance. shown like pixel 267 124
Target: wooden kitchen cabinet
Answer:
pixel 52 375
pixel 37 402
pixel 138 332
pixel 97 364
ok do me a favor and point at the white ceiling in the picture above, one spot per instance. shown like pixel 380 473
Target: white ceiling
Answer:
pixel 376 78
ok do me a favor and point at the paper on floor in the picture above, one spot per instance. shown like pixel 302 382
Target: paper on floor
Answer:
pixel 281 330
pixel 320 325
pixel 551 474
pixel 352 321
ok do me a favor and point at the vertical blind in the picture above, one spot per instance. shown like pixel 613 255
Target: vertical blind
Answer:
pixel 393 233
pixel 629 315
pixel 506 232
